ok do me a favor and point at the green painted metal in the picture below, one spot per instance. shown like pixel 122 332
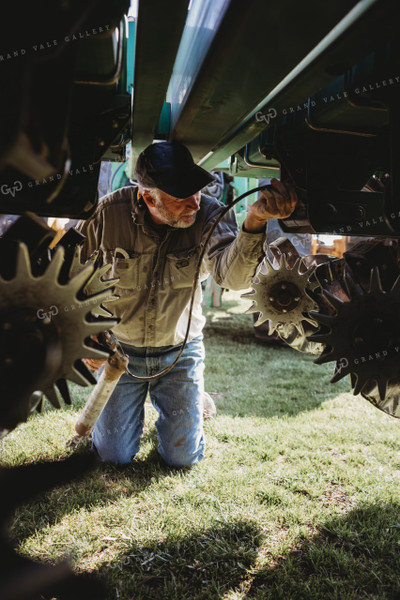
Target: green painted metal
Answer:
pixel 243 184
pixel 159 29
pixel 164 124
pixel 201 28
pixel 129 63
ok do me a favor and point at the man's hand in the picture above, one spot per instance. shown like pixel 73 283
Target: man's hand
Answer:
pixel 94 363
pixel 276 202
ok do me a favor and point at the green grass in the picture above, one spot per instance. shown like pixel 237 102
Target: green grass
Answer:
pixel 298 496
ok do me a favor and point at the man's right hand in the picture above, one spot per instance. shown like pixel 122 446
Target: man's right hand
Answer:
pixel 277 201
pixel 94 363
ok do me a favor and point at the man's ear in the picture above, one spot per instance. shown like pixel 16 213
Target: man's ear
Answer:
pixel 147 197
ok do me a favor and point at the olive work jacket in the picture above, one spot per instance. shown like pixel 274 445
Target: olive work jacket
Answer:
pixel 156 269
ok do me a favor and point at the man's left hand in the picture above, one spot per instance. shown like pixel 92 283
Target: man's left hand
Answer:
pixel 276 202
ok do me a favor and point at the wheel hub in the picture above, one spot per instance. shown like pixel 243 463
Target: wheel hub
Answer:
pixel 285 296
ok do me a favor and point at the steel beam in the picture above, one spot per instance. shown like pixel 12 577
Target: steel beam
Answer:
pixel 366 26
pixel 227 66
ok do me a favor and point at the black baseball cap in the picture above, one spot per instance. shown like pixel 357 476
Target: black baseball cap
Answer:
pixel 169 166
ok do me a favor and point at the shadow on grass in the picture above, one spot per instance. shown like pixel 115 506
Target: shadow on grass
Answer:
pixel 103 484
pixel 352 556
pixel 203 565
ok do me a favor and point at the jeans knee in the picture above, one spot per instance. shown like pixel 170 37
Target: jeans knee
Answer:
pixel 112 453
pixel 175 457
pixel 114 457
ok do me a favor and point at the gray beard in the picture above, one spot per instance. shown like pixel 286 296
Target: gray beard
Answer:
pixel 169 219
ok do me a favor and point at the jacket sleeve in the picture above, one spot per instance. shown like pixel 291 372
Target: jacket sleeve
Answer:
pixel 232 255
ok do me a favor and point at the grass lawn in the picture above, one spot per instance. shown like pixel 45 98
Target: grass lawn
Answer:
pixel 298 496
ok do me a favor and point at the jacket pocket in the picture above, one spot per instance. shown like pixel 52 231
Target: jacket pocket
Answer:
pixel 181 267
pixel 127 270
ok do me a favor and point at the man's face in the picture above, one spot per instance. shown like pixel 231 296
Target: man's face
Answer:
pixel 167 210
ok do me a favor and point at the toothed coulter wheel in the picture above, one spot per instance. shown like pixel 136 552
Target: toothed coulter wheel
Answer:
pixel 281 297
pixel 363 336
pixel 43 332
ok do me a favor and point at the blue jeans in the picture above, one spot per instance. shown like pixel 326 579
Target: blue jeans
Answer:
pixel 177 397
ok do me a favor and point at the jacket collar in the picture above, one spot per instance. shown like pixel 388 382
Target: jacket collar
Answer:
pixel 138 207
